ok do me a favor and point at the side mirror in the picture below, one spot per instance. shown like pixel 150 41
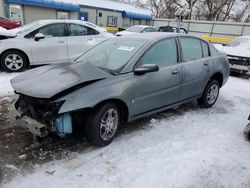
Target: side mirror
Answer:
pixel 39 36
pixel 143 69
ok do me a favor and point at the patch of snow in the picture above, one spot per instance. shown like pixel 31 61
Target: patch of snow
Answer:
pixel 5 87
pixel 196 148
pixel 115 5
pixel 12 167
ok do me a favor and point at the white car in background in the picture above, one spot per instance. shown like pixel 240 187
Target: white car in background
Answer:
pixel 46 42
pixel 238 52
pixel 137 29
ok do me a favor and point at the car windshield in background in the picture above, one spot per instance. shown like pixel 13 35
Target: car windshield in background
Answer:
pixel 112 55
pixel 136 29
pixel 243 42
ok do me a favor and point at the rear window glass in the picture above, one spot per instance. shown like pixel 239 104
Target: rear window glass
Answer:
pixel 191 49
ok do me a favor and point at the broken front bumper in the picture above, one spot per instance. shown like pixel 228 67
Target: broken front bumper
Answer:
pixel 239 64
pixel 42 117
pixel 35 127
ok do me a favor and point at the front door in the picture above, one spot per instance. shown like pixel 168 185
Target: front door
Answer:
pixel 51 49
pixel 158 89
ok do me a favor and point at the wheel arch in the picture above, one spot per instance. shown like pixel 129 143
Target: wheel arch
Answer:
pixel 218 77
pixel 15 49
pixel 121 105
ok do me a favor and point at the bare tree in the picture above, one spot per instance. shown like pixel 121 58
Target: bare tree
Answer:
pixel 190 4
pixel 241 12
pixel 217 10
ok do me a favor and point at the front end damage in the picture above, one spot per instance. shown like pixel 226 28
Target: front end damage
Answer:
pixel 239 64
pixel 41 116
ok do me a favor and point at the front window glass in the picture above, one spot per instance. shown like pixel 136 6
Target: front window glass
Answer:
pixel 53 30
pixel 163 54
pixel 136 29
pixel 113 54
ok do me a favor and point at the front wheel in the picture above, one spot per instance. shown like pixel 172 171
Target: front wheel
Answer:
pixel 102 124
pixel 210 94
pixel 13 61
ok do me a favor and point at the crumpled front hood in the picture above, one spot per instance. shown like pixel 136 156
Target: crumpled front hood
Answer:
pixel 48 81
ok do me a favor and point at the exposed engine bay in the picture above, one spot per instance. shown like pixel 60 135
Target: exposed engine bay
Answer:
pixel 41 116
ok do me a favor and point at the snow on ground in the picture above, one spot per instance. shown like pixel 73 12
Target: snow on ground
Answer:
pixel 5 87
pixel 194 148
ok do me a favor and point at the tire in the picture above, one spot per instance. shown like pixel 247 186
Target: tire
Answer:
pixel 100 129
pixel 13 61
pixel 210 94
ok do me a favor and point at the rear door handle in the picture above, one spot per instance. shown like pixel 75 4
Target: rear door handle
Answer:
pixel 205 63
pixel 175 71
pixel 61 41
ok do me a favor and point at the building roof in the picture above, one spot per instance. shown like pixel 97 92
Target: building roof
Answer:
pixel 57 4
pixel 114 5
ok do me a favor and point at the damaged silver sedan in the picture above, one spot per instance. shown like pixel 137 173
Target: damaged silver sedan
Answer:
pixel 120 80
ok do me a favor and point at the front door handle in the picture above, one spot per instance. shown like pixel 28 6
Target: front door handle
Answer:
pixel 175 71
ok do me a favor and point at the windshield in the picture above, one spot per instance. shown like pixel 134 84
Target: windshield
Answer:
pixel 112 55
pixel 136 29
pixel 26 28
pixel 243 42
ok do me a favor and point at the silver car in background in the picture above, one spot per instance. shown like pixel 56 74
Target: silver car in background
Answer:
pixel 46 42
pixel 137 29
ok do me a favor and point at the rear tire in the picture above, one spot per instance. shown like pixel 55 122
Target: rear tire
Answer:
pixel 13 61
pixel 210 94
pixel 102 124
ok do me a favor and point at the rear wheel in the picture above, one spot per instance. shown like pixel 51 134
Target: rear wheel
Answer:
pixel 13 61
pixel 102 124
pixel 210 94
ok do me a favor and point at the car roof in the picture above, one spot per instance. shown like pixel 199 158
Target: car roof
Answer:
pixel 142 26
pixel 153 36
pixel 43 22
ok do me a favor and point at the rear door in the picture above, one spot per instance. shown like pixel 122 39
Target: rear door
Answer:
pixel 80 39
pixel 51 49
pixel 159 89
pixel 196 66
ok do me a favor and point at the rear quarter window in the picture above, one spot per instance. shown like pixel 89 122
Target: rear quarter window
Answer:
pixel 213 50
pixel 205 49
